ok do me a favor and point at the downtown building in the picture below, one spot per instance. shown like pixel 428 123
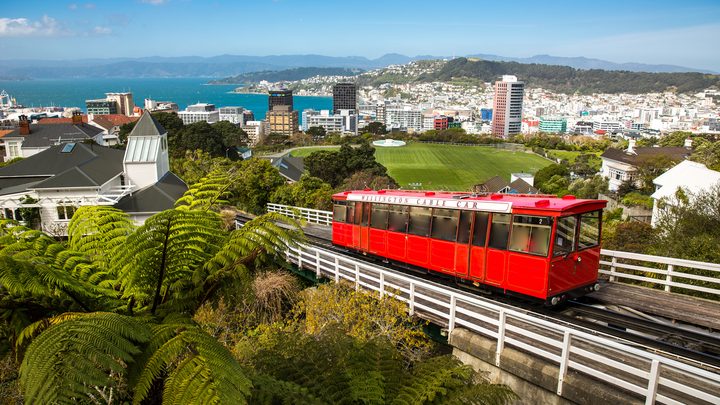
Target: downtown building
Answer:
pixel 403 118
pixel 344 97
pixel 507 106
pixel 342 122
pixel 553 125
pixel 199 112
pixel 281 117
pixel 113 103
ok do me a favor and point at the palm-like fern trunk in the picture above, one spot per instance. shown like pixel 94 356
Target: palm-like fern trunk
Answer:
pixel 161 276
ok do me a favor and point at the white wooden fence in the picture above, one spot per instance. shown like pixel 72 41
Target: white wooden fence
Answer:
pixel 619 266
pixel 655 377
pixel 658 270
pixel 308 214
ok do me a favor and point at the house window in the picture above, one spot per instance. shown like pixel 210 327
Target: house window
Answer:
pixel 65 212
pixel 616 174
pixel 14 150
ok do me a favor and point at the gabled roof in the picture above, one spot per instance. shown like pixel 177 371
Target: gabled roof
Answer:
pixel 155 198
pixel 520 186
pixel 108 121
pixel 42 135
pixel 692 176
pixel 147 125
pixel 58 120
pixel 674 153
pixel 492 185
pixel 4 132
pixel 85 165
pixel 291 168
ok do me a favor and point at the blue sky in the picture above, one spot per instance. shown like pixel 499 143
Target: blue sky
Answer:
pixel 672 32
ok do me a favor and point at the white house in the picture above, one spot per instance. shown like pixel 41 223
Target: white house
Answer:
pixel 692 177
pixel 65 176
pixel 619 166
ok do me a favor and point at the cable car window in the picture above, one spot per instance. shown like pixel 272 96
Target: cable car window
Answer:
pixel 419 223
pixel 531 234
pixel 365 214
pixel 499 231
pixel 379 218
pixel 464 226
pixel 589 230
pixel 350 217
pixel 480 229
pixel 339 211
pixel 565 236
pixel 444 224
pixel 397 218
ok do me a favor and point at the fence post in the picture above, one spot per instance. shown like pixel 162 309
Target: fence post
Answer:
pixel 612 269
pixel 317 264
pixel 412 299
pixel 337 270
pixel 382 283
pixel 564 360
pixel 451 321
pixel 653 382
pixel 501 337
pixel 357 278
pixel 669 278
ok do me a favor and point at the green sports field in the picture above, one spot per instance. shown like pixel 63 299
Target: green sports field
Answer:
pixel 450 167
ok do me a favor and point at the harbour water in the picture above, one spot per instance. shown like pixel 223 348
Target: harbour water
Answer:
pixel 183 91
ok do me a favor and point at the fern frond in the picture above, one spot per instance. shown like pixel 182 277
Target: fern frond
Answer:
pixel 209 193
pixel 96 231
pixel 74 355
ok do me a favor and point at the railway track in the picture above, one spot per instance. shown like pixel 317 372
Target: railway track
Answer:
pixel 680 342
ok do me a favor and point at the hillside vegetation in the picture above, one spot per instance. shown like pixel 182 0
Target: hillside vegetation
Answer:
pixel 287 75
pixel 563 79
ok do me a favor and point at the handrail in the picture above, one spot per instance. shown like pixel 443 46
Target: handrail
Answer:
pixel 650 375
pixel 622 266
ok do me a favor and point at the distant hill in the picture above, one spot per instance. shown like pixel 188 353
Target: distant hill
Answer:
pixel 565 79
pixel 287 75
pixel 581 62
pixel 231 65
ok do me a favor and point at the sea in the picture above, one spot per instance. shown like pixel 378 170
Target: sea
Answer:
pixel 183 91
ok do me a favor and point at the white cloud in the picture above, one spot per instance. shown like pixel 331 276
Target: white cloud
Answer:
pixel 155 2
pixel 23 27
pixel 98 30
pixel 72 6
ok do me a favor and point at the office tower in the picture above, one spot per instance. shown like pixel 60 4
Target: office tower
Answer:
pixel 280 97
pixel 507 106
pixel 124 101
pixel 344 97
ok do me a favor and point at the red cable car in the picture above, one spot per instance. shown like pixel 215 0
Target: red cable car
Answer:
pixel 543 247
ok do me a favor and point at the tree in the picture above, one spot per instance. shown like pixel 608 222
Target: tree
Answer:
pixel 376 128
pixel 557 184
pixel 543 175
pixel 651 167
pixel 632 236
pixel 196 164
pixel 198 135
pixel 586 164
pixel 333 167
pixel 255 182
pixel 231 134
pixel 106 314
pixel 367 178
pixel 589 188
pixel 708 153
pixel 327 166
pixel 316 132
pixel 309 192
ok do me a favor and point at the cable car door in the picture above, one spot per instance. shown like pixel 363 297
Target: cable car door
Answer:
pixel 361 231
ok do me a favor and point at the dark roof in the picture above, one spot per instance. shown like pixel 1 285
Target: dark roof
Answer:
pixel 520 186
pixel 673 152
pixel 44 135
pixel 86 165
pixel 290 167
pixel 492 185
pixel 155 198
pixel 147 125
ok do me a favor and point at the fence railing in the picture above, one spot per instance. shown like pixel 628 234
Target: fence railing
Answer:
pixel 620 266
pixel 652 376
pixel 661 271
pixel 308 214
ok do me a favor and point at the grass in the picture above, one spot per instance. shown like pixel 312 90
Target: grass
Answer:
pixel 567 154
pixel 450 167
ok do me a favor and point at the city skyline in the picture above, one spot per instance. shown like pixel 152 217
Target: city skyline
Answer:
pixel 660 32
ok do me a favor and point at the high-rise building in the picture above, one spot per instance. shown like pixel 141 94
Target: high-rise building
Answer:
pixel 124 101
pixel 507 106
pixel 282 120
pixel 344 97
pixel 280 97
pixel 236 115
pixel 101 106
pixel 554 125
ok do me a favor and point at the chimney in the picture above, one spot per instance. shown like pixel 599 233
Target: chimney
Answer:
pixel 77 118
pixel 688 143
pixel 24 125
pixel 631 147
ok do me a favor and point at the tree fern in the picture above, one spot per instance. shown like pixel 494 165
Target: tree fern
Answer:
pixel 98 231
pixel 70 358
pixel 156 262
pixel 199 369
pixel 208 194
